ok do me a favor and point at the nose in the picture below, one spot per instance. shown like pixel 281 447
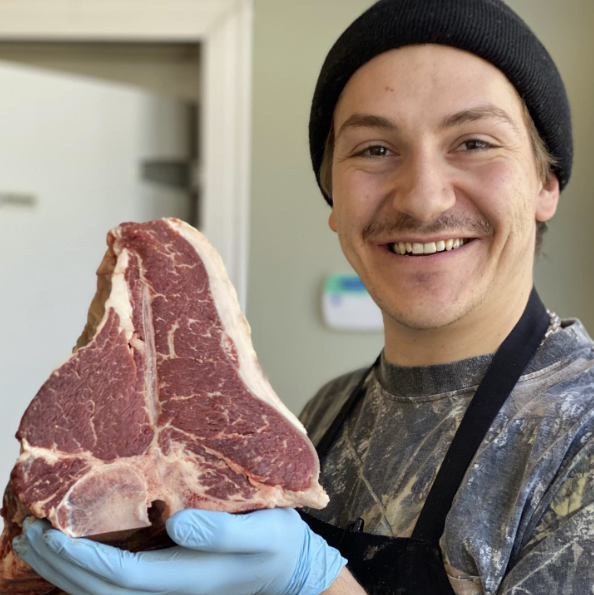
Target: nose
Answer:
pixel 422 188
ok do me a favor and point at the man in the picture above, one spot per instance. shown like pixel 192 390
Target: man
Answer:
pixel 440 135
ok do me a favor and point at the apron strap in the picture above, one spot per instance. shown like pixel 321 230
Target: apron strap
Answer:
pixel 502 375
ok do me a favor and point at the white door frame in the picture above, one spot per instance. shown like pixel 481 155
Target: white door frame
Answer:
pixel 224 30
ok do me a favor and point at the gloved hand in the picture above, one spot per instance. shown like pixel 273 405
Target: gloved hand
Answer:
pixel 268 552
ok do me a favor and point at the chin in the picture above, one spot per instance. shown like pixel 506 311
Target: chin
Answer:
pixel 422 321
pixel 426 314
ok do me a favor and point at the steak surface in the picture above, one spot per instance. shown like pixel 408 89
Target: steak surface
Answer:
pixel 161 407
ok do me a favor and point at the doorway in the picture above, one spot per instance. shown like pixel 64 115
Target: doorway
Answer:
pixel 84 148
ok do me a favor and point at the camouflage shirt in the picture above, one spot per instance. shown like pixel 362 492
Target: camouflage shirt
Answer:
pixel 522 521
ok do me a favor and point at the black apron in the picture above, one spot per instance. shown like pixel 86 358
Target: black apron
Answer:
pixel 414 566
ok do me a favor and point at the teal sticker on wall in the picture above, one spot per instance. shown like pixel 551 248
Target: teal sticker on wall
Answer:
pixel 346 305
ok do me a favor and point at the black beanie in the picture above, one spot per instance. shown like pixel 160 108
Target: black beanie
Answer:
pixel 487 28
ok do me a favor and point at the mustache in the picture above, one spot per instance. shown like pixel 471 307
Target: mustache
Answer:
pixel 447 222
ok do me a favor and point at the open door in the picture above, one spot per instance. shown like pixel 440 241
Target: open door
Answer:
pixel 46 280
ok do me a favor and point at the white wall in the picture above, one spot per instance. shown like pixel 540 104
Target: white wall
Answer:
pixel 292 250
pixel 564 273
pixel 291 247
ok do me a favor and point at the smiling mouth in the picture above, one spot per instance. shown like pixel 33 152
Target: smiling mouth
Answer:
pixel 418 249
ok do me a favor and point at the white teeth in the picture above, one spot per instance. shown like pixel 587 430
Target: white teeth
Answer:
pixel 428 248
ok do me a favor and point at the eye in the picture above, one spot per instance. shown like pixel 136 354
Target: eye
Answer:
pixel 374 152
pixel 474 144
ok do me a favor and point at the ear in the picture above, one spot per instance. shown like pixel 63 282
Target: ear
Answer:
pixel 548 198
pixel 332 221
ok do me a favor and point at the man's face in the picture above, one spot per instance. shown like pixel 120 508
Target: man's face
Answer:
pixel 431 150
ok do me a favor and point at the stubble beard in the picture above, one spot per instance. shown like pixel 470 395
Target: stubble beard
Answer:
pixel 448 223
pixel 423 320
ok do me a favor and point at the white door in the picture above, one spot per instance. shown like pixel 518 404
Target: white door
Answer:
pixel 75 146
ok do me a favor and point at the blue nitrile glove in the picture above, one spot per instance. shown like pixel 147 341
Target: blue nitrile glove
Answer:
pixel 268 552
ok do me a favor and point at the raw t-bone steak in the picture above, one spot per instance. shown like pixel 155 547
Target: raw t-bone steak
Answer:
pixel 162 406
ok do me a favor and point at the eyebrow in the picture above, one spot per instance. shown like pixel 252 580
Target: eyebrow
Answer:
pixel 367 121
pixel 481 112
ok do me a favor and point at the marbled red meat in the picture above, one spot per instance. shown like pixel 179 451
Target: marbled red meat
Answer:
pixel 162 406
